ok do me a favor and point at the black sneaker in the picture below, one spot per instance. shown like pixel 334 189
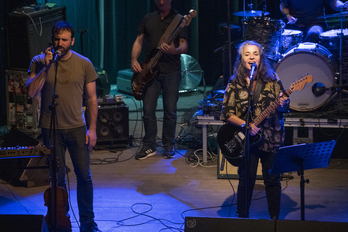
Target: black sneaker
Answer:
pixel 169 152
pixel 145 153
pixel 89 227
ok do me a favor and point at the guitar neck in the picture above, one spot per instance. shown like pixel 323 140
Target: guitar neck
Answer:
pixel 175 33
pixel 271 108
pixel 169 41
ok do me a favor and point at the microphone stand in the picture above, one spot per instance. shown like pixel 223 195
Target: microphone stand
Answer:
pixel 54 165
pixel 246 146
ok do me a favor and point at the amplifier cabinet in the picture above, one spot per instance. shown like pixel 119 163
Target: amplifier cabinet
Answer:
pixel 124 78
pixel 113 125
pixel 226 171
pixel 29 34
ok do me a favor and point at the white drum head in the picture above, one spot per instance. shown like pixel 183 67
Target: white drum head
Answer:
pixel 289 32
pixel 298 63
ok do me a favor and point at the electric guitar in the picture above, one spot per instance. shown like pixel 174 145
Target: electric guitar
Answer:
pixel 230 138
pixel 139 80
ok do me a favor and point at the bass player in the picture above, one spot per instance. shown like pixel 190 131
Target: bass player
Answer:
pixel 166 80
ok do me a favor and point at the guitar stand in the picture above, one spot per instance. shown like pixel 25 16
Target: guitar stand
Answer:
pixel 302 157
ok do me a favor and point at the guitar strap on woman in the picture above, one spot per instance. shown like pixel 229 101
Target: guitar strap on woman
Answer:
pixel 257 93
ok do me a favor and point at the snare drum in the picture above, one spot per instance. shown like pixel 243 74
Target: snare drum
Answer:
pixel 312 59
pixel 290 38
pixel 267 32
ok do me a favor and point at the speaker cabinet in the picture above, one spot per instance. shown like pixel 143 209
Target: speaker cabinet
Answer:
pixel 20 223
pixel 304 226
pixel 25 172
pixel 29 34
pixel 204 224
pixel 226 170
pixel 113 126
pixel 124 78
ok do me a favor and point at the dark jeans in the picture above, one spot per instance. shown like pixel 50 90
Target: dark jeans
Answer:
pixel 271 182
pixel 74 140
pixel 169 84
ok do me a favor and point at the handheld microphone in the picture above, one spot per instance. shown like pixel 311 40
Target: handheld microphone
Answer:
pixel 252 71
pixel 57 54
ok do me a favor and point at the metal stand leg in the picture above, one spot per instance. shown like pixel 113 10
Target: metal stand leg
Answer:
pixel 204 131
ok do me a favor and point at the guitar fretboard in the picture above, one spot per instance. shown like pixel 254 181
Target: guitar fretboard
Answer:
pixel 270 109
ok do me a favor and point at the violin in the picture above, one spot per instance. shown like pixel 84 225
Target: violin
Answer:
pixel 63 223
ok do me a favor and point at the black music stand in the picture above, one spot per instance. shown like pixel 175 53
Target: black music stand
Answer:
pixel 302 157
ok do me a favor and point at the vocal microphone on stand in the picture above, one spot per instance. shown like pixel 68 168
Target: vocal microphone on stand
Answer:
pixel 252 71
pixel 57 54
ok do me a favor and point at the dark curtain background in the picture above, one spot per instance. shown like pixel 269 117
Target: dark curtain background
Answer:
pixel 112 28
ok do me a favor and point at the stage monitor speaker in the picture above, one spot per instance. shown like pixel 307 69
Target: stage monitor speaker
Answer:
pixel 29 34
pixel 206 224
pixel 20 223
pixel 304 226
pixel 226 171
pixel 113 125
pixel 24 172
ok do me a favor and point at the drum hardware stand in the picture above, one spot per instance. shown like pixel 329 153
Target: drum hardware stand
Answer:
pixel 338 89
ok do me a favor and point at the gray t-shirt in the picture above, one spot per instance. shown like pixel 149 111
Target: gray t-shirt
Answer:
pixel 72 76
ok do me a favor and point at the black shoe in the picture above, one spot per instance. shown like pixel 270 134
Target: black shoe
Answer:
pixel 89 227
pixel 274 217
pixel 145 153
pixel 169 152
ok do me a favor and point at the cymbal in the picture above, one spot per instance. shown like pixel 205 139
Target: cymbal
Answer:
pixel 337 15
pixel 250 13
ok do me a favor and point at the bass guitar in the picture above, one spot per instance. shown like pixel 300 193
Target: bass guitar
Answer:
pixel 231 138
pixel 139 80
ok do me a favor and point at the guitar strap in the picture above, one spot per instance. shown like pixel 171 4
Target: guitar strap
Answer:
pixel 170 30
pixel 257 93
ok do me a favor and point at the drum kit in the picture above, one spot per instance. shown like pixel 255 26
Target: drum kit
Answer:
pixel 291 57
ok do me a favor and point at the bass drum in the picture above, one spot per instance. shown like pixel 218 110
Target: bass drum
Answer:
pixel 308 59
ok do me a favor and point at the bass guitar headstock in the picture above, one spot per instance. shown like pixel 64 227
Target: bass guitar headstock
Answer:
pixel 187 18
